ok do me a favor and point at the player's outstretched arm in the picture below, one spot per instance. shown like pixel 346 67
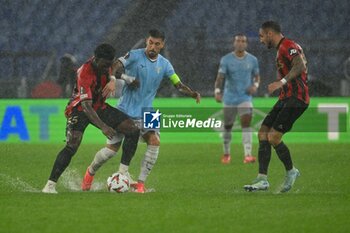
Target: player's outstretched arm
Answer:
pixel 298 66
pixel 94 118
pixel 188 91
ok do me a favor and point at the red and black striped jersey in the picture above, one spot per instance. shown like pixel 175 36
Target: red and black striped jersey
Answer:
pixel 89 86
pixel 297 87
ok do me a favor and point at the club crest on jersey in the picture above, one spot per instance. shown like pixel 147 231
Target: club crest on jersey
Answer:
pixel 292 51
pixel 158 69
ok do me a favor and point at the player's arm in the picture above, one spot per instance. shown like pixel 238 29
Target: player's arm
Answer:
pixel 118 72
pixel 256 83
pixel 95 119
pixel 298 66
pixel 184 89
pixel 218 87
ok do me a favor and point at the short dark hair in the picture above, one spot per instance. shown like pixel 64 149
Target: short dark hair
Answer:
pixel 156 34
pixel 272 25
pixel 105 51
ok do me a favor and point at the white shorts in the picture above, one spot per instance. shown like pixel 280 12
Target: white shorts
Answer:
pixel 119 136
pixel 230 111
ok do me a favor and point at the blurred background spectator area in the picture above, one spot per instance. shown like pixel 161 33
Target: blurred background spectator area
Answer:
pixel 44 41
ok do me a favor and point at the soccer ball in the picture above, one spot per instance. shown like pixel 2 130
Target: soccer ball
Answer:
pixel 118 183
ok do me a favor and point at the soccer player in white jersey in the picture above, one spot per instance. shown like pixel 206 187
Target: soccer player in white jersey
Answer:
pixel 142 70
pixel 240 72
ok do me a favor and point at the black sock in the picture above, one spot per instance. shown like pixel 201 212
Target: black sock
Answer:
pixel 264 156
pixel 61 163
pixel 129 147
pixel 284 155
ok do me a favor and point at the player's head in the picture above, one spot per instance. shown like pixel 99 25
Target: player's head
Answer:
pixel 268 32
pixel 154 43
pixel 104 57
pixel 240 42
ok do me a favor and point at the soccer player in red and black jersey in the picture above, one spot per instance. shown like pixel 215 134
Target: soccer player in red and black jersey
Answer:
pixel 293 101
pixel 87 106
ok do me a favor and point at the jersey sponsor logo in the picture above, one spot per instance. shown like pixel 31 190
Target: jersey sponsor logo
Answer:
pixel 292 52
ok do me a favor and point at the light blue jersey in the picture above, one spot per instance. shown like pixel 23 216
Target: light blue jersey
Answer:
pixel 238 74
pixel 150 74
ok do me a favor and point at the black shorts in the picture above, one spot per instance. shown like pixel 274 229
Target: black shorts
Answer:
pixel 284 113
pixel 78 121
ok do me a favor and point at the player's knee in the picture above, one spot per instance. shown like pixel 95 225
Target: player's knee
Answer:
pixel 262 134
pixel 114 147
pixel 153 140
pixel 274 139
pixel 73 141
pixel 228 127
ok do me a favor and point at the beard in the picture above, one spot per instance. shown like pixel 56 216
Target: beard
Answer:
pixel 269 45
pixel 152 54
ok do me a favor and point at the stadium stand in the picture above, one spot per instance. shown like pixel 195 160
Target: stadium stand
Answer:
pixel 198 34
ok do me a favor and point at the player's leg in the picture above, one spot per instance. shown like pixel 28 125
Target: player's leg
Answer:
pixel 76 125
pixel 290 112
pixel 245 111
pixel 230 113
pixel 152 139
pixel 129 128
pixel 264 157
pixel 101 157
pixel 264 151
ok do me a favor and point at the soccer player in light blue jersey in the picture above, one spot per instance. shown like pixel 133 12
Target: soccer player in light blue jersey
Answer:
pixel 142 70
pixel 239 70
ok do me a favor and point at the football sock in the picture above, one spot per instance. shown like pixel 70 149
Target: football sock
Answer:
pixel 227 135
pixel 123 168
pixel 247 136
pixel 264 156
pixel 100 158
pixel 61 163
pixel 284 155
pixel 129 147
pixel 148 161
pixel 262 176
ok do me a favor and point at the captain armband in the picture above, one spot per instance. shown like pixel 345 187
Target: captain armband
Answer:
pixel 174 79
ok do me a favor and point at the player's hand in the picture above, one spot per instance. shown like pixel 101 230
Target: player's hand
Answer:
pixel 109 89
pixel 134 84
pixel 197 96
pixel 108 131
pixel 218 97
pixel 274 86
pixel 252 90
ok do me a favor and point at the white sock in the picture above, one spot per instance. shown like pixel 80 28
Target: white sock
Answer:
pixel 148 161
pixel 247 136
pixel 227 135
pixel 263 176
pixel 100 158
pixel 123 168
